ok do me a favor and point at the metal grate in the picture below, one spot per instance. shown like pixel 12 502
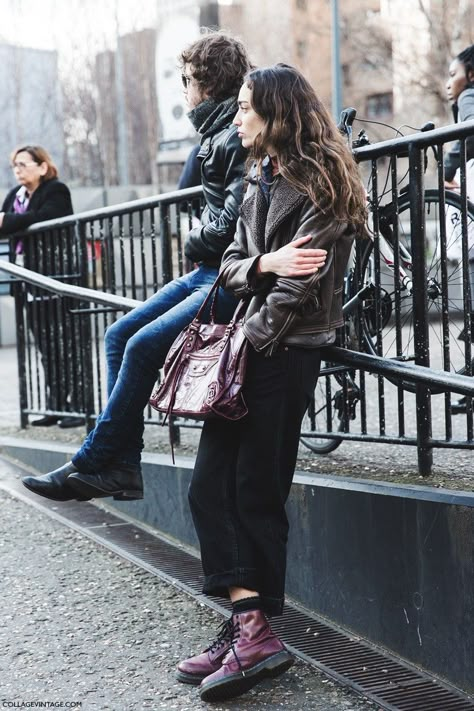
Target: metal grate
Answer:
pixel 392 684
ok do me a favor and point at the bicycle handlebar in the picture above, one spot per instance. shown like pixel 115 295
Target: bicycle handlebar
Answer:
pixel 346 120
pixel 428 126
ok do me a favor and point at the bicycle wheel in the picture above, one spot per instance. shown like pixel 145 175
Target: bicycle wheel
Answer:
pixel 387 311
pixel 333 404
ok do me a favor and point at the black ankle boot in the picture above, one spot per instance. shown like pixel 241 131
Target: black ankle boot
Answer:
pixel 55 484
pixel 122 481
pixel 46 421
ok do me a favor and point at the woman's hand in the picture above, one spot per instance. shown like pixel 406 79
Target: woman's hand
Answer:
pixel 1 218
pixel 451 185
pixel 292 261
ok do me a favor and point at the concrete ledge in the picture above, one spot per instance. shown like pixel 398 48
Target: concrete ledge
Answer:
pixel 393 563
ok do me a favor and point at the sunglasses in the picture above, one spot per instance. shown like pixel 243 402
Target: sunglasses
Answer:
pixel 185 80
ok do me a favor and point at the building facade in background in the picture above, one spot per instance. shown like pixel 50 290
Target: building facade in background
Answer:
pixel 123 117
pixel 30 105
pixel 127 122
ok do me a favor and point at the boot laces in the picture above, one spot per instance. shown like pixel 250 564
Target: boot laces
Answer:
pixel 224 635
pixel 234 640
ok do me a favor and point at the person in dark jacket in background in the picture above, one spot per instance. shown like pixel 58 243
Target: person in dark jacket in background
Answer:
pixel 41 196
pixel 460 91
pixel 191 174
pixel 108 463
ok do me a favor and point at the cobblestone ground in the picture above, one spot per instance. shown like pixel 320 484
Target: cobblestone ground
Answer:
pixel 81 625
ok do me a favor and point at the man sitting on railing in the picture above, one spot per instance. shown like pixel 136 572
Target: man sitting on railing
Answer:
pixel 108 463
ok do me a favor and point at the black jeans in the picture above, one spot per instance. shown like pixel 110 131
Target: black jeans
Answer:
pixel 59 340
pixel 243 475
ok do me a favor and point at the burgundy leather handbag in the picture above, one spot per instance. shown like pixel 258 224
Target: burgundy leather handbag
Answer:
pixel 204 370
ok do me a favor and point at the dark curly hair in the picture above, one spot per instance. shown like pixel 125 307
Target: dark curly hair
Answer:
pixel 466 57
pixel 312 154
pixel 220 63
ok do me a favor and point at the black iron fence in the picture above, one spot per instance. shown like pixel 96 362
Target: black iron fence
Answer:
pixel 409 292
pixel 409 298
pixel 128 250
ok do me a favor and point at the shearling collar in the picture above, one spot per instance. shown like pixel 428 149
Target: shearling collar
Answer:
pixel 263 220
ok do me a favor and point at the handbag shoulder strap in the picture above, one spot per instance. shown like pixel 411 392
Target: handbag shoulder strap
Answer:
pixel 211 295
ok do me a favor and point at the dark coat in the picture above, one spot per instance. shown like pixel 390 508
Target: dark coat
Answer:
pixel 463 110
pixel 298 311
pixel 50 200
pixel 191 174
pixel 222 170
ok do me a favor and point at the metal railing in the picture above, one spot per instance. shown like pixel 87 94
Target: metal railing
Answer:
pixel 103 262
pixel 411 303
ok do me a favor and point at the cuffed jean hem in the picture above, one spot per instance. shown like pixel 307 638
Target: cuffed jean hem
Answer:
pixel 218 585
pixel 84 465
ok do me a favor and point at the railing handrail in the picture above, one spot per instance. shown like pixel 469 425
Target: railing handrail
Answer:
pixel 63 289
pixel 385 366
pixel 419 140
pixel 392 368
pixel 116 210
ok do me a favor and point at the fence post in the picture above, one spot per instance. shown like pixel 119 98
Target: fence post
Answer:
pixel 166 276
pixel 420 305
pixel 86 378
pixel 18 289
pixel 166 247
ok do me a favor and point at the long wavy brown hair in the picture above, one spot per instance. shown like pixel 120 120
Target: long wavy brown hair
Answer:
pixel 312 154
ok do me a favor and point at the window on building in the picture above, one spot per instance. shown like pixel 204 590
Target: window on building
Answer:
pixel 379 105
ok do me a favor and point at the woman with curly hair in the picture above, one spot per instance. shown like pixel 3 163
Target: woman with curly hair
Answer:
pixel 304 206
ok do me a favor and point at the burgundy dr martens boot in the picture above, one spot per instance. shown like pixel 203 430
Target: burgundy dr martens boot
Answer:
pixel 195 669
pixel 255 654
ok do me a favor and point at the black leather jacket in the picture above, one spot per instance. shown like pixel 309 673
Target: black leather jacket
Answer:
pixel 222 168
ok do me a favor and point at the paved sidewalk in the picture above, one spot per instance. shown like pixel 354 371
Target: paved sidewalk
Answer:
pixel 80 625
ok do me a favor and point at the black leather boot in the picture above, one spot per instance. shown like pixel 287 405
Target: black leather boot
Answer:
pixel 68 422
pixel 46 421
pixel 54 485
pixel 122 481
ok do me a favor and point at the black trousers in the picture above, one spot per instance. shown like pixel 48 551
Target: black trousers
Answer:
pixel 59 343
pixel 243 475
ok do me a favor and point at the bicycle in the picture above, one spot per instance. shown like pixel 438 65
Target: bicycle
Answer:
pixel 378 296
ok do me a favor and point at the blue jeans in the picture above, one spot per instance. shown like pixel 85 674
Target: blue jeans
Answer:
pixel 136 347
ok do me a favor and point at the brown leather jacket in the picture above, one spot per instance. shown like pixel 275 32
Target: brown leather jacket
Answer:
pixel 298 311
